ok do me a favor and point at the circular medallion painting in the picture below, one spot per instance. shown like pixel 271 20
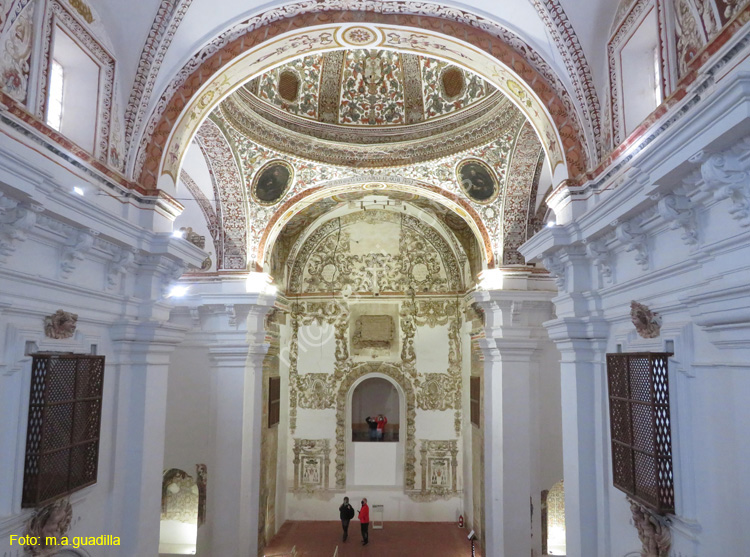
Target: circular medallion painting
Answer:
pixel 272 182
pixel 477 180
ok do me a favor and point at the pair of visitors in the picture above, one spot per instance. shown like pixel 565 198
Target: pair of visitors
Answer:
pixel 346 512
pixel 377 427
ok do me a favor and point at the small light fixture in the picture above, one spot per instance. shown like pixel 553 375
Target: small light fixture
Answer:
pixel 178 291
pixel 178 234
pixel 491 279
pixel 78 190
pixel 260 283
pixel 551 223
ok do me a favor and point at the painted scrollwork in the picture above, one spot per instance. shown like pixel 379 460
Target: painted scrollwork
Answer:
pixel 653 531
pixel 647 323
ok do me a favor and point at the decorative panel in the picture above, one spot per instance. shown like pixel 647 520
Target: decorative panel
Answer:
pixel 439 461
pixel 312 458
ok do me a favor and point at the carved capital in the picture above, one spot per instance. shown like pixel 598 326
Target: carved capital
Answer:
pixel 16 219
pixel 124 260
pixel 553 263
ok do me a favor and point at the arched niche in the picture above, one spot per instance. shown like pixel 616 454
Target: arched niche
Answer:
pixel 371 397
pixel 407 411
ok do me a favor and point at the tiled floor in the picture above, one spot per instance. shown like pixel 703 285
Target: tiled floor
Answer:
pixel 396 539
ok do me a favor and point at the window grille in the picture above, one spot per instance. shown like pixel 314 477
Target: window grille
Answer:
pixel 474 396
pixel 640 428
pixel 62 439
pixel 274 400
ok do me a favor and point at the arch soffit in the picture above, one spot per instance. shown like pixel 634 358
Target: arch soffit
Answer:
pixel 294 205
pixel 218 75
pixel 429 220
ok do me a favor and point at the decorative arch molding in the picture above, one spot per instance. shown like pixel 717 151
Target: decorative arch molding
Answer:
pixel 292 206
pixel 250 48
pixel 232 198
pixel 396 373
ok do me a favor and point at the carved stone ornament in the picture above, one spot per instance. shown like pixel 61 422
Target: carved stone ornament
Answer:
pixel 653 531
pixel 647 322
pixel 61 324
pixel 50 521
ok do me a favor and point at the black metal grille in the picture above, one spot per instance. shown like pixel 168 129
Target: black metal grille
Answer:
pixel 640 428
pixel 62 439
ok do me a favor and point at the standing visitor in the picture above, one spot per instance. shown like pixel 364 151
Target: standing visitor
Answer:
pixel 373 425
pixel 364 519
pixel 346 513
pixel 381 421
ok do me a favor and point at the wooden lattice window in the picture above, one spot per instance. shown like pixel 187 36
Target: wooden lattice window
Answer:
pixel 274 400
pixel 62 439
pixel 474 396
pixel 640 427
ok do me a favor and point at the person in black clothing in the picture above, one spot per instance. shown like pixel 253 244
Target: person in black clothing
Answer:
pixel 346 512
pixel 373 423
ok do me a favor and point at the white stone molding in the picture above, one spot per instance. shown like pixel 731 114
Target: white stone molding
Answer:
pixel 727 175
pixel 677 210
pixel 77 245
pixel 16 219
pixel 630 234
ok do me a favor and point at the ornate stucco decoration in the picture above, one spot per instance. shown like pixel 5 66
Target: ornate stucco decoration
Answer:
pixel 201 474
pixel 180 499
pixel 50 521
pixel 439 469
pixel 653 531
pixel 373 331
pixel 647 322
pixel 311 463
pixel 61 324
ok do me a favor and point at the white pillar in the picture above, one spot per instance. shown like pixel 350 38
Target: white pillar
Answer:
pixel 141 362
pixel 233 489
pixel 514 340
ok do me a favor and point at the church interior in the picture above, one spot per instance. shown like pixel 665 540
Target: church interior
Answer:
pixel 479 263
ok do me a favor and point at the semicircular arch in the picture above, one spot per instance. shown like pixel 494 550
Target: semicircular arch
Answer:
pixel 186 105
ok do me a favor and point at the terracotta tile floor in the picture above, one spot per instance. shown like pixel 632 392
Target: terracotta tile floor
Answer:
pixel 396 539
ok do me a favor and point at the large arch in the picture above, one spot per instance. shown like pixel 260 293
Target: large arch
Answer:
pixel 191 98
pixel 292 206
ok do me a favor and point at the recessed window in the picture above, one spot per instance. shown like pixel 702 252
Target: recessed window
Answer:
pixel 274 400
pixel 474 399
pixel 73 91
pixel 62 438
pixel 56 88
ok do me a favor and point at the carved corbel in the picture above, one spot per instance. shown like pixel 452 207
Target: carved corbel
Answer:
pixel 726 175
pixel 174 270
pixel 124 260
pixel 232 314
pixel 76 246
pixel 653 531
pixel 628 233
pixel 601 257
pixel 556 268
pixel 675 208
pixel 16 219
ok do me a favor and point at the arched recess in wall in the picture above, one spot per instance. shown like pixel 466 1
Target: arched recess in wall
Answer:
pixel 456 213
pixel 204 83
pixel 398 377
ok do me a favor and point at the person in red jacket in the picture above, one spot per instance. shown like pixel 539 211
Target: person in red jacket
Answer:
pixel 364 519
pixel 381 421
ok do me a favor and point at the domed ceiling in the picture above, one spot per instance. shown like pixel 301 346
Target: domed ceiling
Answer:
pixel 369 108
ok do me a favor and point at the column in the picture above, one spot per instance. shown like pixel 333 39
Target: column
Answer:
pixel 236 355
pixel 513 343
pixel 141 362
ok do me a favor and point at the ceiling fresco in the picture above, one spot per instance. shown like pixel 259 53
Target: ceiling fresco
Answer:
pixel 369 88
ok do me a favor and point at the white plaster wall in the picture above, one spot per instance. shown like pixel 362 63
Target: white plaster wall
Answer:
pixel 188 435
pixel 317 345
pixel 431 347
pixel 376 464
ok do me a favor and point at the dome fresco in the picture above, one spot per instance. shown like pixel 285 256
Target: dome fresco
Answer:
pixel 369 87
